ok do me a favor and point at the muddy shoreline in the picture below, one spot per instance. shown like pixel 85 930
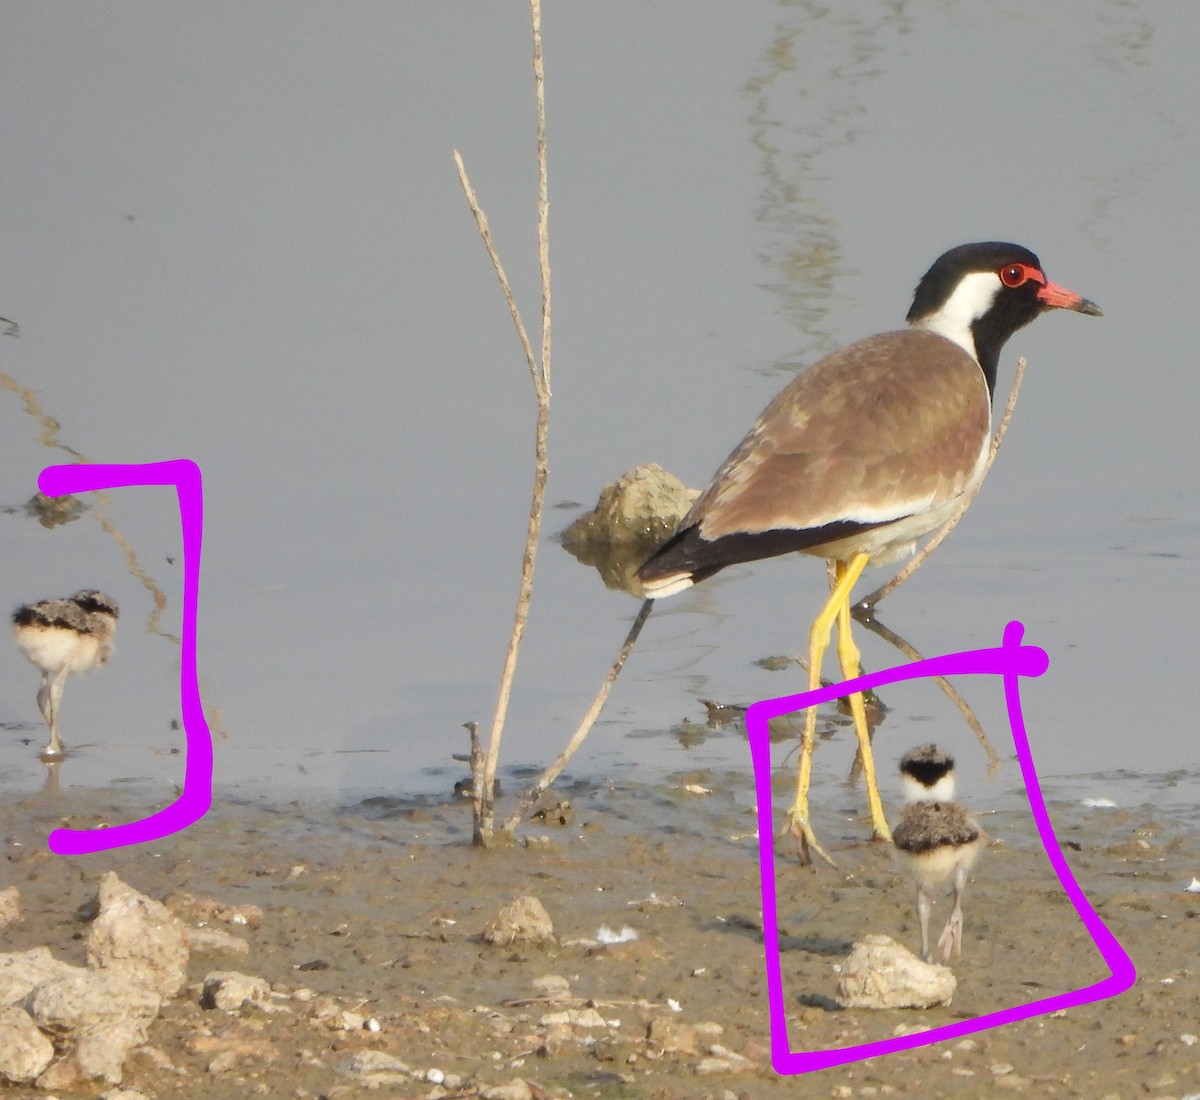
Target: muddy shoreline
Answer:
pixel 376 908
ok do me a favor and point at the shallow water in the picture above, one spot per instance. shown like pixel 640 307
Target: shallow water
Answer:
pixel 237 237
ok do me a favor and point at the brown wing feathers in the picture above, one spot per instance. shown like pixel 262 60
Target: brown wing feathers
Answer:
pixel 844 448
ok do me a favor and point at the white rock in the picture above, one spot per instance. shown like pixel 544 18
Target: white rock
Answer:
pixel 370 1062
pixel 880 973
pixel 575 1017
pixel 139 936
pixel 24 1051
pixel 228 990
pixel 20 971
pixel 643 501
pixel 10 907
pixel 516 1089
pixel 723 1060
pixel 101 1052
pixel 554 986
pixel 99 1015
pixel 90 999
pixel 523 919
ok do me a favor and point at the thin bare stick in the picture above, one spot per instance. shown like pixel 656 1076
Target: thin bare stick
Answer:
pixel 48 437
pixel 476 756
pixel 964 708
pixel 868 602
pixel 539 91
pixel 483 793
pixel 484 787
pixel 589 719
pixel 485 232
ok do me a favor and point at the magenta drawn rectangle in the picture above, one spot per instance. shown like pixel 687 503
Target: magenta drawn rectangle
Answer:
pixel 196 798
pixel 1011 660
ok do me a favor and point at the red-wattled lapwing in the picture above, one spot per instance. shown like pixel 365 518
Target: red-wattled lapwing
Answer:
pixel 60 637
pixel 936 840
pixel 864 453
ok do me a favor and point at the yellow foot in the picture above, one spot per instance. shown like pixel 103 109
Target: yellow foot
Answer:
pixel 796 825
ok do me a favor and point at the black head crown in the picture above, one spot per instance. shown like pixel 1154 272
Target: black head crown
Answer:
pixel 93 602
pixel 1013 291
pixel 948 270
pixel 926 764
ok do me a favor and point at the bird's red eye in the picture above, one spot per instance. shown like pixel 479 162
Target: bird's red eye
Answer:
pixel 1018 274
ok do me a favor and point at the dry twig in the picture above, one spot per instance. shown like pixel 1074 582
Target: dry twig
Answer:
pixel 964 708
pixel 483 794
pixel 589 719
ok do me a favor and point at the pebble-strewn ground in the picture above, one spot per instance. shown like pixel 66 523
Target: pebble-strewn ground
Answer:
pixel 371 918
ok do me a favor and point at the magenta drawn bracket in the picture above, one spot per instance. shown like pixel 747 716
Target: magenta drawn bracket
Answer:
pixel 196 798
pixel 1012 660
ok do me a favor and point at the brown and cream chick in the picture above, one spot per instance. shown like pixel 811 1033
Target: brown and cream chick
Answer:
pixel 62 636
pixel 936 840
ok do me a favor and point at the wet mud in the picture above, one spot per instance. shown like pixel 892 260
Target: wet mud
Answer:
pixel 372 915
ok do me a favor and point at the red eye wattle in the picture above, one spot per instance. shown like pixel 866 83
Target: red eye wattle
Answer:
pixel 1014 275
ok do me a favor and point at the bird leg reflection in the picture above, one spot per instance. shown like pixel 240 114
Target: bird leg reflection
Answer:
pixel 866 615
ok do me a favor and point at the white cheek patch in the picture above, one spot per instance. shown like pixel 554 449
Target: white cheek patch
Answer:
pixel 972 298
pixel 915 791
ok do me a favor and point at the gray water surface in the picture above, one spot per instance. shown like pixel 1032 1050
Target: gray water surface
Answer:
pixel 235 235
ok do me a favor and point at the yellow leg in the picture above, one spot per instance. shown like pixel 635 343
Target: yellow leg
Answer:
pixel 851 661
pixel 797 823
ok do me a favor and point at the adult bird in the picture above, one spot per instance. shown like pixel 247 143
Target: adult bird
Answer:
pixel 74 634
pixel 864 453
pixel 937 841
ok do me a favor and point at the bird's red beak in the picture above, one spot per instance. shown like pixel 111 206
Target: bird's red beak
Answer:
pixel 1059 297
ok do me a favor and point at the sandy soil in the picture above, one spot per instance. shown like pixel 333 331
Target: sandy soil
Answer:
pixel 377 908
